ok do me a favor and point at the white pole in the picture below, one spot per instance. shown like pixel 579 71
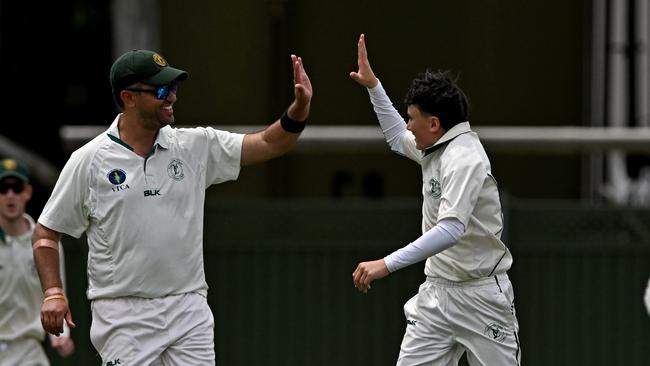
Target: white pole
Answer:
pixel 135 25
pixel 617 188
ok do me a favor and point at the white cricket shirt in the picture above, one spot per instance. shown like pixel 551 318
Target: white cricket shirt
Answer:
pixel 456 182
pixel 143 216
pixel 21 295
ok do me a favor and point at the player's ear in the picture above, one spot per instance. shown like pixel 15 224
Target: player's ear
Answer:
pixel 434 123
pixel 128 98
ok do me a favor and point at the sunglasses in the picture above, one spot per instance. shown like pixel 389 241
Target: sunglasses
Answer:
pixel 17 187
pixel 161 92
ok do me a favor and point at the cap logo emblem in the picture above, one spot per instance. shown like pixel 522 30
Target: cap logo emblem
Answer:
pixel 159 60
pixel 10 164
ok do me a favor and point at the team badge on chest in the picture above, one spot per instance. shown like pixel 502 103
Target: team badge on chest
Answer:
pixel 117 177
pixel 434 188
pixel 175 169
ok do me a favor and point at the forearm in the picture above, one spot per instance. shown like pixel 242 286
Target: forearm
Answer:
pixel 440 237
pixel 46 257
pixel 391 122
pixel 276 139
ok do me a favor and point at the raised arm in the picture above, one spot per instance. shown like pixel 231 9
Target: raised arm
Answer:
pixel 278 138
pixel 392 124
pixel 364 76
pixel 46 257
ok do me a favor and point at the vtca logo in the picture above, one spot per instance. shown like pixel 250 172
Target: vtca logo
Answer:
pixel 152 192
pixel 121 187
pixel 114 362
pixel 117 177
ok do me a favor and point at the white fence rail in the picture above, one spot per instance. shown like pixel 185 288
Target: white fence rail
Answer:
pixel 549 139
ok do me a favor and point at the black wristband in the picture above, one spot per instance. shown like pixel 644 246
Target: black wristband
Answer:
pixel 290 125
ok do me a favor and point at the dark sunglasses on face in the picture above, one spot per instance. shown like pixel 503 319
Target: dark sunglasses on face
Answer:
pixel 17 187
pixel 160 92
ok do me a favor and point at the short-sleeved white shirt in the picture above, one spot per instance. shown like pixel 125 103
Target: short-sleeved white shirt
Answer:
pixel 21 295
pixel 143 216
pixel 457 182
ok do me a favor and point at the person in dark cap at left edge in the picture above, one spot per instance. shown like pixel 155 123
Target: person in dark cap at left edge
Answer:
pixel 21 296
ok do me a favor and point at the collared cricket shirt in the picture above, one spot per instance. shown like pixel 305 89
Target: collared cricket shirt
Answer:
pixel 21 295
pixel 143 217
pixel 457 182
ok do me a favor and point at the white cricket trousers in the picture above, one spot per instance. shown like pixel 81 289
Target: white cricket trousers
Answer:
pixel 176 330
pixel 446 319
pixel 22 352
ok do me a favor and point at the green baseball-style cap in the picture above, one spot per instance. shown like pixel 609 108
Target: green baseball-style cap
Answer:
pixel 142 66
pixel 13 168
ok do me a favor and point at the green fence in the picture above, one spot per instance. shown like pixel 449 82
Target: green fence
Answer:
pixel 580 273
pixel 281 290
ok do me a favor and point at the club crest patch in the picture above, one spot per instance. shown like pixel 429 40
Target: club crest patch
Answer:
pixel 10 164
pixel 159 60
pixel 434 188
pixel 495 331
pixel 175 169
pixel 116 176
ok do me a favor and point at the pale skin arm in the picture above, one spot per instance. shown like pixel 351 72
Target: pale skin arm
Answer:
pixel 366 272
pixel 364 76
pixel 274 140
pixel 53 312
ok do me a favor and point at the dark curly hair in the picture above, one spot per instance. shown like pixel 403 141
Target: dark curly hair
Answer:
pixel 437 94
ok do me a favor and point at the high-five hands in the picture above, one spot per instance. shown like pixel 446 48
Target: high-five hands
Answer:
pixel 367 272
pixel 302 90
pixel 364 76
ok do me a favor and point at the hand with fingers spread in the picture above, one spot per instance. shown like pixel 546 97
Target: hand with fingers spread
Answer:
pixel 367 272
pixel 53 312
pixel 364 76
pixel 302 90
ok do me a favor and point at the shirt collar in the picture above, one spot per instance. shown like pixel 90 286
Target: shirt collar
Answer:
pixel 32 225
pixel 453 132
pixel 28 233
pixel 162 139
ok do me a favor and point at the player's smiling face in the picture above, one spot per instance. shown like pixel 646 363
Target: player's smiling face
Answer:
pixel 425 128
pixel 155 113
